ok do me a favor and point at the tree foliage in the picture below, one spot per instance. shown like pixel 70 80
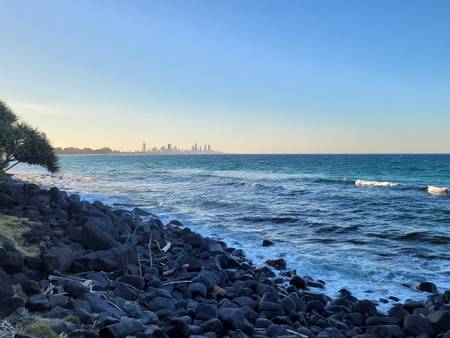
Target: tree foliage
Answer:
pixel 21 143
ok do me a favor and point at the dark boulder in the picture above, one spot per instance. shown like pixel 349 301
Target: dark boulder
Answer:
pixel 386 331
pixel 58 197
pixel 58 259
pixel 440 319
pixel 205 311
pixel 214 325
pixel 270 309
pixel 298 282
pixel 6 289
pixel 122 329
pixel 10 305
pixel 11 261
pixel 267 242
pixel 38 302
pixel 93 237
pixel 365 307
pixel 137 282
pixel 198 289
pixel 175 327
pixel 126 291
pixel 416 325
pixel 209 278
pixel 97 261
pixel 74 288
pixel 279 264
pixel 427 287
pixel 231 318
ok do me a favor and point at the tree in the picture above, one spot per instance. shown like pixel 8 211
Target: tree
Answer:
pixel 21 143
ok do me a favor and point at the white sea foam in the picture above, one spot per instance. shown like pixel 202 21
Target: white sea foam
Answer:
pixel 362 183
pixel 437 190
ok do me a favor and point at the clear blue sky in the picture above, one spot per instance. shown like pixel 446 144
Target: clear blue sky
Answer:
pixel 245 76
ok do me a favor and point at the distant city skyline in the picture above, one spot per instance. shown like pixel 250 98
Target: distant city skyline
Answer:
pixel 248 76
pixel 164 149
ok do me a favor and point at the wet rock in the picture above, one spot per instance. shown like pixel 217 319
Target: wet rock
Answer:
pixel 279 264
pixel 298 282
pixel 427 287
pixel 416 325
pixel 267 242
pixel 365 307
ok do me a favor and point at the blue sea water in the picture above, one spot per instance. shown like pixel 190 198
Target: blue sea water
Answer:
pixel 367 223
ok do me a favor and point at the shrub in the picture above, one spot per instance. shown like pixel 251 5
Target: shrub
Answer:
pixel 21 143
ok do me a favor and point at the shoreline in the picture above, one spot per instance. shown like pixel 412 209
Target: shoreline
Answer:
pixel 272 305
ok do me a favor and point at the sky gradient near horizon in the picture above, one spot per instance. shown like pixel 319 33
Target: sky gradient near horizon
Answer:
pixel 245 76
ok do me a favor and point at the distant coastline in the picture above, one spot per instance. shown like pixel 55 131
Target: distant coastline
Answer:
pixel 154 151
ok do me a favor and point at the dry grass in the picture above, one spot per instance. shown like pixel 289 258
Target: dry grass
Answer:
pixel 12 229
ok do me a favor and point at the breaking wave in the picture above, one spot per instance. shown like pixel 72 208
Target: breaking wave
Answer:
pixel 437 190
pixel 363 183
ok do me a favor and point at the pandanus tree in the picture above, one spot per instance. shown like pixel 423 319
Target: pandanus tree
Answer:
pixel 21 143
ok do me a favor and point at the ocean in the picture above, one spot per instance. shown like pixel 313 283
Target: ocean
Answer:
pixel 374 224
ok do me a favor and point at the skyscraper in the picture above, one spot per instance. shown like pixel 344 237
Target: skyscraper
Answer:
pixel 144 147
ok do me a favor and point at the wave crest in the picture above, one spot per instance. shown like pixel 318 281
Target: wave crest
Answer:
pixel 363 183
pixel 437 190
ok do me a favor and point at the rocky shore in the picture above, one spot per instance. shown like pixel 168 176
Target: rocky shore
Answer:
pixel 70 268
